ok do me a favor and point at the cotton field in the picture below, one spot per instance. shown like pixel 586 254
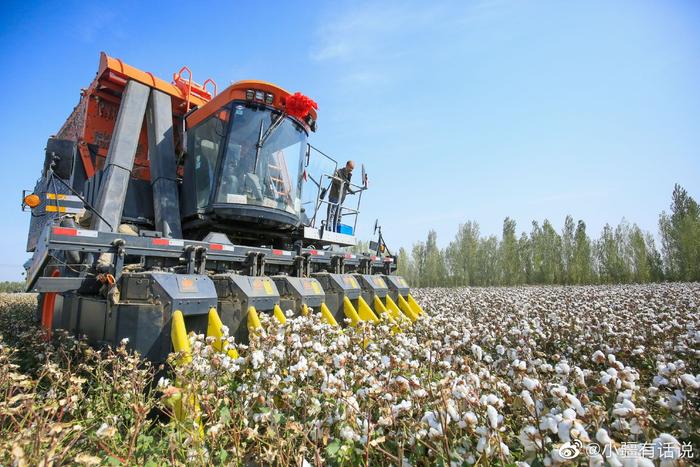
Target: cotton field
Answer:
pixel 601 375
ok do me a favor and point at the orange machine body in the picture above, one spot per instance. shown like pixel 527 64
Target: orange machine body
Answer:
pixel 237 91
pixel 92 120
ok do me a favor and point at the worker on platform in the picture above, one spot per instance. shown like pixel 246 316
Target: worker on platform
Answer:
pixel 340 187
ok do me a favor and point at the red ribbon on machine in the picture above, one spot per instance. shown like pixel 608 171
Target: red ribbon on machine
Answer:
pixel 299 105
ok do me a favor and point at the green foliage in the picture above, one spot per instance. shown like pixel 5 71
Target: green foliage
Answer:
pixel 11 287
pixel 680 237
pixel 622 254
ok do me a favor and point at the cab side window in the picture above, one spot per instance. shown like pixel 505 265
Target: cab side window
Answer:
pixel 206 149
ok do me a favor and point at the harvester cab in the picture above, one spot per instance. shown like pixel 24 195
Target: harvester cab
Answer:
pixel 168 207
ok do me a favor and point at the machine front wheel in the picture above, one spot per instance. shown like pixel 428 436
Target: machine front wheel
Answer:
pixel 46 309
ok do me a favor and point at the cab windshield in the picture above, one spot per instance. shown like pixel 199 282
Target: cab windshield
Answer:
pixel 257 166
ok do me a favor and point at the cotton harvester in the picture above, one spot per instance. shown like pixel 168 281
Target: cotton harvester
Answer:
pixel 168 206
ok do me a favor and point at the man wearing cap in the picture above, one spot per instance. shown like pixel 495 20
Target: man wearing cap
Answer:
pixel 340 187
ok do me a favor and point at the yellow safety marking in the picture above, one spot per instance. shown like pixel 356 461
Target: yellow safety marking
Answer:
pixel 304 309
pixel 327 316
pixel 214 326
pixel 268 287
pixel 315 285
pixel 54 208
pixel 365 312
pixel 406 308
pixel 414 305
pixel 57 196
pixel 279 315
pixel 253 319
pixel 353 283
pixel 178 334
pixel 350 312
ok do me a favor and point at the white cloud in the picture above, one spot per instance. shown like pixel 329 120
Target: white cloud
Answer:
pixel 364 31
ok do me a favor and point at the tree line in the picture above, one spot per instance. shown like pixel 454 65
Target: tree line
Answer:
pixel 621 254
pixel 11 287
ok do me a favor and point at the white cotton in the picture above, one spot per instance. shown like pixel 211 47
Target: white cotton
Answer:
pixel 562 368
pixel 603 437
pixel 478 353
pixel 530 384
pixel 460 392
pixel 598 356
pixel 348 433
pixel 431 419
pixel 563 430
pixel 404 405
pixel 690 381
pixel 257 358
pixel 527 399
pixel 481 444
pixel 493 416
pixel 528 438
pixel 420 393
pixel 470 417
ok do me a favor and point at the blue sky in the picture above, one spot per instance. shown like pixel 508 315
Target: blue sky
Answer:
pixel 460 110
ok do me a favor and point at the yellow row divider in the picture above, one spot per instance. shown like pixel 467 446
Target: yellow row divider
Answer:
pixel 406 308
pixel 279 315
pixel 327 316
pixel 391 308
pixel 253 319
pixel 414 305
pixel 181 344
pixel 365 312
pixel 304 309
pixel 383 313
pixel 178 334
pixel 350 312
pixel 394 308
pixel 381 309
pixel 214 326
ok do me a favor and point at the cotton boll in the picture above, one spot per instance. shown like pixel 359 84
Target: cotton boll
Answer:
pixel 530 384
pixel 470 418
pixel 598 357
pixel 478 353
pixel 492 416
pixel 603 437
pixel 690 381
pixel 529 438
pixel 563 430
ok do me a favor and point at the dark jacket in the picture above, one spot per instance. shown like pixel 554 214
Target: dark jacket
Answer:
pixel 340 188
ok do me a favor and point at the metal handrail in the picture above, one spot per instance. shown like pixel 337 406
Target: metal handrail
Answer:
pixel 342 210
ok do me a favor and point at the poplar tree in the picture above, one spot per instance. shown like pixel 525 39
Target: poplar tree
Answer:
pixel 582 267
pixel 510 268
pixel 680 236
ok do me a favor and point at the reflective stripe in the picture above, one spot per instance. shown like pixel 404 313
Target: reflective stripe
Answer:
pixel 69 210
pixel 62 197
pixel 74 232
pixel 281 253
pixel 168 242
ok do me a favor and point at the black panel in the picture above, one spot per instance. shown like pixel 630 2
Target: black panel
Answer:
pixel 62 153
